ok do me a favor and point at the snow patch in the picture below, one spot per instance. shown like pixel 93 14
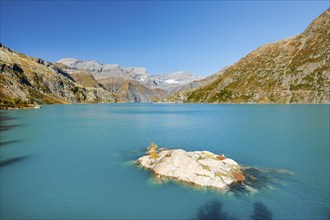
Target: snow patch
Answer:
pixel 171 81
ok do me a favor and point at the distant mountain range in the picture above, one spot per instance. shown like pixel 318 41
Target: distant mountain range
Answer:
pixel 294 70
pixel 129 84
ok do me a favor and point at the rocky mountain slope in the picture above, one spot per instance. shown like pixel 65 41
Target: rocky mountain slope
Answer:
pixel 294 70
pixel 128 90
pixel 85 78
pixel 99 70
pixel 130 84
pixel 27 79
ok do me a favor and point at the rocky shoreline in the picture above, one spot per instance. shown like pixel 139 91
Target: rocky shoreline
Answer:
pixel 199 168
pixel 30 106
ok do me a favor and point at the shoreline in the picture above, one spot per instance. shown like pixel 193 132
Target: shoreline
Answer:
pixel 159 103
pixel 22 108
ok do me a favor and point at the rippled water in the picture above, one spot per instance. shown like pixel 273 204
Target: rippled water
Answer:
pixel 73 161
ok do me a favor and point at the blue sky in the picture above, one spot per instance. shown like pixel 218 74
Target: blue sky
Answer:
pixel 200 37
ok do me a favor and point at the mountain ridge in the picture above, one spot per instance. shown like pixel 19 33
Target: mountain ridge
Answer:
pixel 24 79
pixel 293 70
pixel 130 84
pixel 100 70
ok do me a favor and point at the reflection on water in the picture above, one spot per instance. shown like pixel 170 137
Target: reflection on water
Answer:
pixel 11 161
pixel 5 117
pixel 3 143
pixel 261 212
pixel 260 178
pixel 213 210
pixel 78 169
pixel 7 127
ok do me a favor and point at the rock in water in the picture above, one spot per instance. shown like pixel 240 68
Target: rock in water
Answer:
pixel 200 168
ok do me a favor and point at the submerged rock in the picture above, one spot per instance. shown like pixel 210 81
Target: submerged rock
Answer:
pixel 200 168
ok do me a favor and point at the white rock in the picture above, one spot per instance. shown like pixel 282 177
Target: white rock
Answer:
pixel 199 167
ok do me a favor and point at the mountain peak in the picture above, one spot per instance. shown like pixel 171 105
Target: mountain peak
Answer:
pixel 318 27
pixel 68 61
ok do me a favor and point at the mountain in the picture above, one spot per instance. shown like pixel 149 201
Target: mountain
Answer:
pixel 128 90
pixel 85 79
pixel 294 70
pixel 100 71
pixel 181 95
pixel 130 84
pixel 125 83
pixel 171 82
pixel 25 79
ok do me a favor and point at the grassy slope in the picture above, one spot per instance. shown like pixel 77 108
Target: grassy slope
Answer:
pixel 295 70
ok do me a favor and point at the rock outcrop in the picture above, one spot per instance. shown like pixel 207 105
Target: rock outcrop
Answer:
pixel 294 70
pixel 200 168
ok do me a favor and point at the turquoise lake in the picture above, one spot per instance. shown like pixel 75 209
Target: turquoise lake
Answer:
pixel 75 161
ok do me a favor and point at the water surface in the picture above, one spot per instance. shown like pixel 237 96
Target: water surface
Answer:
pixel 72 161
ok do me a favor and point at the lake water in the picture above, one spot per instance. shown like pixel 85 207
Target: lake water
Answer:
pixel 74 161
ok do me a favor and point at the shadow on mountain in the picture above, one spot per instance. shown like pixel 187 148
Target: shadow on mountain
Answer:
pixel 213 211
pixel 12 161
pixel 261 212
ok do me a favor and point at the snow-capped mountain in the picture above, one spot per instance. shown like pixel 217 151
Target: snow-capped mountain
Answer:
pixel 170 82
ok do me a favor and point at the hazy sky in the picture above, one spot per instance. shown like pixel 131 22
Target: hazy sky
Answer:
pixel 196 36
